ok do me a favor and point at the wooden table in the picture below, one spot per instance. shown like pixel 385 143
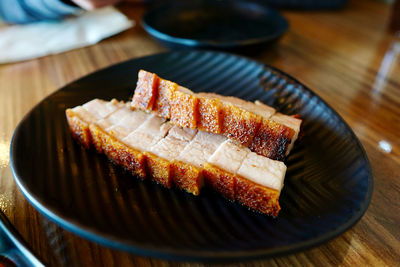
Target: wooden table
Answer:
pixel 348 57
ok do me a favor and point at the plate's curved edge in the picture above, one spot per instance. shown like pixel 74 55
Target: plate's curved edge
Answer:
pixel 191 256
pixel 103 239
pixel 370 188
pixel 191 43
pixel 354 136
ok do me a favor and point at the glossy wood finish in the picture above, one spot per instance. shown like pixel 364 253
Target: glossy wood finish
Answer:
pixel 348 57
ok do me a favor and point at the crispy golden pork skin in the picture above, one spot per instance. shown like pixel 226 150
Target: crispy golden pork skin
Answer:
pixel 127 157
pixel 79 129
pixel 180 157
pixel 251 124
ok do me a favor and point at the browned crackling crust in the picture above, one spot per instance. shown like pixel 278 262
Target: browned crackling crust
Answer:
pixel 142 164
pixel 207 112
pixel 256 197
pixel 162 105
pixel 159 169
pixel 180 174
pixel 219 180
pixel 187 177
pixel 121 154
pixel 272 140
pixel 209 115
pixel 238 124
pixel 79 129
pixel 146 90
pixel 241 190
pixel 184 109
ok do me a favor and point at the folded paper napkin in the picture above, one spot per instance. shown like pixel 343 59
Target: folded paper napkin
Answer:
pixel 22 42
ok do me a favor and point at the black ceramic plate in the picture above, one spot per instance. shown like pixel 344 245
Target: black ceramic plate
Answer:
pixel 328 184
pixel 214 24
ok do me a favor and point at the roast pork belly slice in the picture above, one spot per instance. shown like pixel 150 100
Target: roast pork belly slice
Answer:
pixel 79 120
pixel 176 140
pixel 108 133
pixel 288 121
pixel 229 156
pixel 272 140
pixel 120 124
pixel 146 90
pixel 221 167
pixel 237 119
pixel 162 102
pixel 191 161
pixel 239 124
pixel 256 197
pixel 256 183
pixel 148 134
pixel 179 146
pixel 209 113
pixel 247 123
pixel 84 114
pixel 263 171
pixel 291 122
pixel 90 113
pixel 109 143
pixel 184 108
pixel 189 165
pixel 162 155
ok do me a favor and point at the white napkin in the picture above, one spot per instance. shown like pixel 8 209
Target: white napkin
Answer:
pixel 22 42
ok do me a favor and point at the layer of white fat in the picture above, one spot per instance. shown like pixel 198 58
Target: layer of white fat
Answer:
pixel 229 156
pixel 201 148
pixel 128 123
pixel 85 115
pixel 101 108
pixel 262 110
pixel 263 171
pixel 104 124
pixel 256 108
pixel 176 140
pixel 122 115
pixel 182 133
pixel 126 118
pixel 148 134
pixel 119 114
pixel 134 119
pixel 268 111
pixel 168 147
pixel 290 122
pixel 118 131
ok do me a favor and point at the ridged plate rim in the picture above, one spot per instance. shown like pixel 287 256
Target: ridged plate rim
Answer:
pixel 93 234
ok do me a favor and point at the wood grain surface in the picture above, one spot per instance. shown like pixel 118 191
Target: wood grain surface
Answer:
pixel 348 57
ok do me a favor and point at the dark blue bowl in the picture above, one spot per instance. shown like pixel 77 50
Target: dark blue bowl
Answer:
pixel 214 24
